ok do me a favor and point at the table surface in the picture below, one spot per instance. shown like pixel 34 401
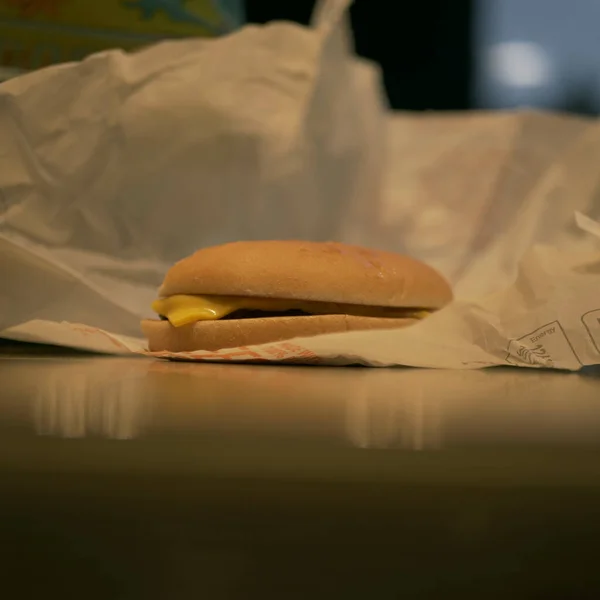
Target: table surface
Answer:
pixel 244 472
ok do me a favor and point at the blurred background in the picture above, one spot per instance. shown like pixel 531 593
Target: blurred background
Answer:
pixel 465 54
pixel 435 54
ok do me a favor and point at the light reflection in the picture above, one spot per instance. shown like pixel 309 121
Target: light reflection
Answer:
pixel 94 400
pixel 411 409
pixel 520 64
pixel 420 409
pixel 383 414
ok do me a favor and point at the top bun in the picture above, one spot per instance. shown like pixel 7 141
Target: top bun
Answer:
pixel 314 271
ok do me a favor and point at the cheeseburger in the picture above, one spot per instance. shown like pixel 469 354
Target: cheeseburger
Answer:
pixel 249 293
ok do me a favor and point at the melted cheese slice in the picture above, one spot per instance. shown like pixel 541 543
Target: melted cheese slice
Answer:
pixel 184 309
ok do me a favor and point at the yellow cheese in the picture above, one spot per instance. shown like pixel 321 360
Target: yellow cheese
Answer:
pixel 184 309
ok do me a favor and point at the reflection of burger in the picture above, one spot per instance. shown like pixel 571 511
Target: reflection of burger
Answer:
pixel 248 293
pixel 281 401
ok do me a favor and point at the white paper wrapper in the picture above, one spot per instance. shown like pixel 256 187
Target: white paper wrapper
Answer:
pixel 112 168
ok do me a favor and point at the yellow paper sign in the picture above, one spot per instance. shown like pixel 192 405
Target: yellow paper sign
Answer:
pixel 36 33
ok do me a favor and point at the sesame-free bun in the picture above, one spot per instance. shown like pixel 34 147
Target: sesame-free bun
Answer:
pixel 315 271
pixel 216 335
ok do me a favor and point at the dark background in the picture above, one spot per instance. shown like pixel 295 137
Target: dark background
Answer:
pixel 465 54
pixel 424 48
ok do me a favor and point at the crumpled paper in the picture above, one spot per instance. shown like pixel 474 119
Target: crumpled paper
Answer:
pixel 112 168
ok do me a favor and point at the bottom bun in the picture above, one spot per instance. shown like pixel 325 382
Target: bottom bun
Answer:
pixel 233 333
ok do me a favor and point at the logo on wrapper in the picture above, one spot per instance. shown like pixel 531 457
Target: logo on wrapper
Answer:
pixel 591 321
pixel 547 347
